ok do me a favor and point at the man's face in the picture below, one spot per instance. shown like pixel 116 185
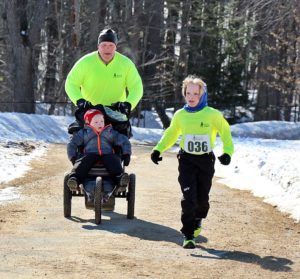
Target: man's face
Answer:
pixel 107 51
pixel 97 122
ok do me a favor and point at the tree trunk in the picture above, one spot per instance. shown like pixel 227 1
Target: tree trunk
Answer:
pixel 96 23
pixel 6 92
pixel 182 65
pixel 51 66
pixel 268 95
pixel 23 37
pixel 153 39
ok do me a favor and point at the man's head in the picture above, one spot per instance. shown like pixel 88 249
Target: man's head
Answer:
pixel 107 44
pixel 94 118
pixel 108 35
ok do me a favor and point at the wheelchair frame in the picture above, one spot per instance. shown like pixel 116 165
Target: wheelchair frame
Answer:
pixel 99 172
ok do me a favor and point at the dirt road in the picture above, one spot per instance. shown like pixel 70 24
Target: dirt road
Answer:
pixel 242 237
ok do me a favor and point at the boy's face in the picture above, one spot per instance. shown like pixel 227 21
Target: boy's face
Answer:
pixel 192 95
pixel 97 122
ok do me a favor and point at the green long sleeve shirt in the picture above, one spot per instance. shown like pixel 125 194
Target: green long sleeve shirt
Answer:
pixel 198 131
pixel 93 80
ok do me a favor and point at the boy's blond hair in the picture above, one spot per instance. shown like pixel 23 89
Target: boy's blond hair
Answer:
pixel 195 80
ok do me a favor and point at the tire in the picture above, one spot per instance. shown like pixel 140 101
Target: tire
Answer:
pixel 98 200
pixel 131 197
pixel 67 198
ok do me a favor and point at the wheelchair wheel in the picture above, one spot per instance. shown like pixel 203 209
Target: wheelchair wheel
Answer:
pixel 98 200
pixel 67 198
pixel 131 197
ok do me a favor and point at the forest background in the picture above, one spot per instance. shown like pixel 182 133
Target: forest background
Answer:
pixel 247 51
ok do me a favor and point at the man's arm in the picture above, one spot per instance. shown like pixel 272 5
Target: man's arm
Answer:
pixel 134 86
pixel 74 82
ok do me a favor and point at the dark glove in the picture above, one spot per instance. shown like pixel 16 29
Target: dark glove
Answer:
pixel 123 107
pixel 83 104
pixel 126 159
pixel 224 159
pixel 155 157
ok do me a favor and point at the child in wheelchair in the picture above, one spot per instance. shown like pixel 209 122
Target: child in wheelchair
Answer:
pixel 93 143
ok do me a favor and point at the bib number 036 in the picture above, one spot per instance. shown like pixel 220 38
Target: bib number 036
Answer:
pixel 197 144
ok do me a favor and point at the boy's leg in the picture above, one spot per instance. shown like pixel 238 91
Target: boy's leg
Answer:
pixel 205 176
pixel 112 163
pixel 187 181
pixel 83 165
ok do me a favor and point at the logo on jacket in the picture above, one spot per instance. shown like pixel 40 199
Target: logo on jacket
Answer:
pixel 117 75
pixel 204 125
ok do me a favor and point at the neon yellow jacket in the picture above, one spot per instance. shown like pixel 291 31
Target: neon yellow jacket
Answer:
pixel 93 80
pixel 207 121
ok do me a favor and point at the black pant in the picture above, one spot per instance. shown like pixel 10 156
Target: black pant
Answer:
pixel 195 178
pixel 82 166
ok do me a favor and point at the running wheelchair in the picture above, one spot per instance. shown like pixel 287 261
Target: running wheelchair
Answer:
pixel 99 190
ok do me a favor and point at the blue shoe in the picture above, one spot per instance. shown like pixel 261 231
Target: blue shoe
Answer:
pixel 189 243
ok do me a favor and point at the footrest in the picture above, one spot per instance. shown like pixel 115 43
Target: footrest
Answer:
pixel 98 172
pixel 109 205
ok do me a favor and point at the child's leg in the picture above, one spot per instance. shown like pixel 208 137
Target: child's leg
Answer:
pixel 112 163
pixel 83 165
pixel 187 181
pixel 205 173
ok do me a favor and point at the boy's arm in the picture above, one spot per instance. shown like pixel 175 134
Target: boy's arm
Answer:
pixel 169 137
pixel 122 141
pixel 73 145
pixel 224 131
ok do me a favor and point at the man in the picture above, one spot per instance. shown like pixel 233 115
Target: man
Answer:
pixel 105 77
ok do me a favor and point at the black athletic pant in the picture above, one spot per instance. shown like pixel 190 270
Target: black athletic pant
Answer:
pixel 82 166
pixel 195 178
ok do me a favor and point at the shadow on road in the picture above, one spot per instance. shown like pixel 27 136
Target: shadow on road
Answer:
pixel 80 220
pixel 141 229
pixel 269 262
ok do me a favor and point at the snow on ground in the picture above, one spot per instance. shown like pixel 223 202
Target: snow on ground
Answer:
pixel 265 162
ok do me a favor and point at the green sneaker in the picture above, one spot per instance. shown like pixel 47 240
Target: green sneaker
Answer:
pixel 197 232
pixel 198 227
pixel 189 244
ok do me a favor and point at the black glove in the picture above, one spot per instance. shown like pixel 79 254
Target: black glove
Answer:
pixel 123 107
pixel 224 159
pixel 126 159
pixel 83 104
pixel 155 157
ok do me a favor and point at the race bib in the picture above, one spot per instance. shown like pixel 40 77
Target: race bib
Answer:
pixel 197 144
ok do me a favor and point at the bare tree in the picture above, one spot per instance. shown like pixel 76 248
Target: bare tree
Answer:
pixel 50 86
pixel 236 45
pixel 275 46
pixel 181 69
